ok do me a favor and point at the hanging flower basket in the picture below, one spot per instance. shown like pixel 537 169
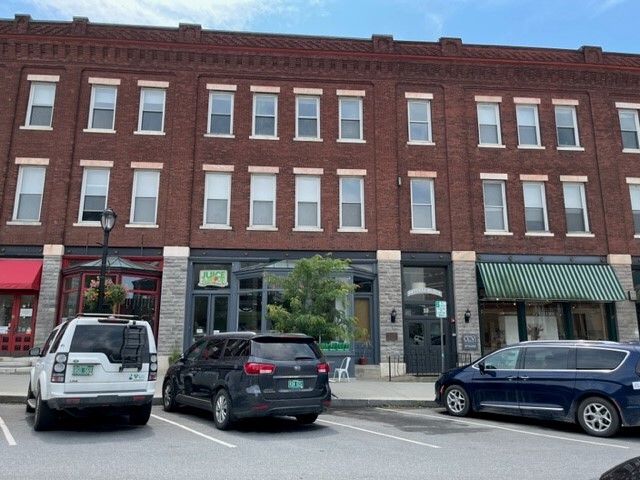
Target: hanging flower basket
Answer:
pixel 114 294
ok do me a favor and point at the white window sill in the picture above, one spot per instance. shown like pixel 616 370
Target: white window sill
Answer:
pixel 24 223
pixel 308 229
pixel 215 227
pixel 307 139
pixel 421 142
pixel 98 130
pixel 498 233
pixel 35 127
pixel 352 230
pixel 141 225
pixel 219 135
pixel 87 224
pixel 636 235
pixel 570 149
pixel 631 150
pixel 263 137
pixel 265 228
pixel 581 235
pixel 149 132
pixel 539 234
pixel 491 145
pixel 420 231
pixel 350 140
pixel 531 147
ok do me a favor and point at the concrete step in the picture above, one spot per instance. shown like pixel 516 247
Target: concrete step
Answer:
pixel 14 370
pixel 16 364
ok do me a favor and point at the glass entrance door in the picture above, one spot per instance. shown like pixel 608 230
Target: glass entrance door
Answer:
pixel 210 313
pixel 17 322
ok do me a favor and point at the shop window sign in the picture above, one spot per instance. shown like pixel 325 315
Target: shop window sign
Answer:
pixel 213 278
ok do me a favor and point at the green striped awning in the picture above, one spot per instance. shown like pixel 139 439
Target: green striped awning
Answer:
pixel 551 281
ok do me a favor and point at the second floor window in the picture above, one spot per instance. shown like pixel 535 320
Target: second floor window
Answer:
pixel 528 128
pixel 630 129
pixel 220 113
pixel 535 207
pixel 575 207
pixel 265 111
pixel 263 201
pixel 634 191
pixel 351 202
pixel 29 193
pixel 419 112
pixel 307 201
pixel 93 201
pixel 422 205
pixel 217 199
pixel 103 107
pixel 489 124
pixel 152 102
pixel 495 206
pixel 145 196
pixel 307 117
pixel 40 109
pixel 350 118
pixel 567 126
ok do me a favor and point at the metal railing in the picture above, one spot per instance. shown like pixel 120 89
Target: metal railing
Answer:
pixel 424 364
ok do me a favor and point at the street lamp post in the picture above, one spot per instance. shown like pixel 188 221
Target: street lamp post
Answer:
pixel 107 221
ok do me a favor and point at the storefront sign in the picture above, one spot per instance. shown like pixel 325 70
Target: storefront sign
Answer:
pixel 213 278
pixel 469 342
pixel 424 291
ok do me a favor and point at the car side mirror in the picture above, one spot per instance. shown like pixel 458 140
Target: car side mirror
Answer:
pixel 34 352
pixel 481 367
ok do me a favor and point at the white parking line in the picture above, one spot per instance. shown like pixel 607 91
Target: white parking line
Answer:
pixel 378 433
pixel 7 433
pixel 498 427
pixel 195 432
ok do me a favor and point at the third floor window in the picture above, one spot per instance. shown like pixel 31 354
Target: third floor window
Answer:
pixel 489 124
pixel 102 111
pixel 630 129
pixel 265 115
pixel 152 103
pixel 40 109
pixel 220 113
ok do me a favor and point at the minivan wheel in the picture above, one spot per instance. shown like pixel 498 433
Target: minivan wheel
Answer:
pixel 307 418
pixel 44 415
pixel 598 417
pixel 222 411
pixel 456 401
pixel 169 396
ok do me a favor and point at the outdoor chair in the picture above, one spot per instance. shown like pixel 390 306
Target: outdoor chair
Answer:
pixel 343 369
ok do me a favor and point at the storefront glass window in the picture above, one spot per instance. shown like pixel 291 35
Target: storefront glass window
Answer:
pixel 499 324
pixel 422 286
pixel 545 321
pixel 589 321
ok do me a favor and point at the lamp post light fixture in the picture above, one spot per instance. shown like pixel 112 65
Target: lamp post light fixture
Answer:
pixel 393 315
pixel 107 222
pixel 467 316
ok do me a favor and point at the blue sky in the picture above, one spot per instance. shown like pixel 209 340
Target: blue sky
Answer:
pixel 610 24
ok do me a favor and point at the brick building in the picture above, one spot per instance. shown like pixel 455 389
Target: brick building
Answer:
pixel 484 195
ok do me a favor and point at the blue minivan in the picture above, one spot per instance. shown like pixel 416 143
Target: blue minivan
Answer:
pixel 593 383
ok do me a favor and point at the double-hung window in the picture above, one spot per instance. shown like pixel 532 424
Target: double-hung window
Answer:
pixel 567 124
pixel 263 201
pixel 634 193
pixel 144 203
pixel 217 199
pixel 575 206
pixel 41 100
pixel 220 119
pixel 29 193
pixel 350 113
pixel 495 206
pixel 535 207
pixel 422 204
pixel 351 202
pixel 93 200
pixel 307 116
pixel 152 106
pixel 102 110
pixel 265 112
pixel 419 117
pixel 629 126
pixel 489 121
pixel 307 202
pixel 528 123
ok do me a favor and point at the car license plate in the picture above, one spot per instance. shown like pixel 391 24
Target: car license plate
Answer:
pixel 82 370
pixel 296 384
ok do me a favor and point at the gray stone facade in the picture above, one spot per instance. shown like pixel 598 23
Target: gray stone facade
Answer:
pixel 465 294
pixel 390 297
pixel 626 318
pixel 48 295
pixel 173 303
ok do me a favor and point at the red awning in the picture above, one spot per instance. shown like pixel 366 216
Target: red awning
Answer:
pixel 19 274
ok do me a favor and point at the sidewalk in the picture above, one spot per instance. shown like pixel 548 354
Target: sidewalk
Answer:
pixel 406 391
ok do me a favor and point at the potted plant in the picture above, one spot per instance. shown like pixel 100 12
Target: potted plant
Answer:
pixel 114 295
pixel 363 342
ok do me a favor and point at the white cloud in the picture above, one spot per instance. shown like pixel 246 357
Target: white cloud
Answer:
pixel 601 6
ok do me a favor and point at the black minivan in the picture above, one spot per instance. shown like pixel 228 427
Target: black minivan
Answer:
pixel 239 375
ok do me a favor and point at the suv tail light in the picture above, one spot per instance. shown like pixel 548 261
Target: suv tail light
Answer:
pixel 255 368
pixel 153 367
pixel 322 367
pixel 59 368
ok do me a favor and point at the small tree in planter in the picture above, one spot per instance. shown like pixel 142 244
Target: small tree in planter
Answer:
pixel 363 338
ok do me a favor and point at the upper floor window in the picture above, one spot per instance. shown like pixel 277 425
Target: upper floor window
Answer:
pixel 307 202
pixel 102 111
pixel 351 202
pixel 630 128
pixel 41 100
pixel 152 105
pixel 528 125
pixel 217 199
pixel 575 205
pixel 263 201
pixel 220 113
pixel 567 126
pixel 489 124
pixel 93 200
pixel 307 117
pixel 350 112
pixel 495 206
pixel 145 196
pixel 419 113
pixel 634 192
pixel 29 193
pixel 265 115
pixel 535 207
pixel 422 204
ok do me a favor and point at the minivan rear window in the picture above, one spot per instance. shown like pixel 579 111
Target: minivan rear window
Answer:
pixel 285 350
pixel 599 359
pixel 109 339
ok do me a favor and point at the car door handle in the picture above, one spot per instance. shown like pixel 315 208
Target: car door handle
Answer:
pixel 524 378
pixel 512 378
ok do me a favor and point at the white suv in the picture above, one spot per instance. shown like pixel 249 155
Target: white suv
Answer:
pixel 94 363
